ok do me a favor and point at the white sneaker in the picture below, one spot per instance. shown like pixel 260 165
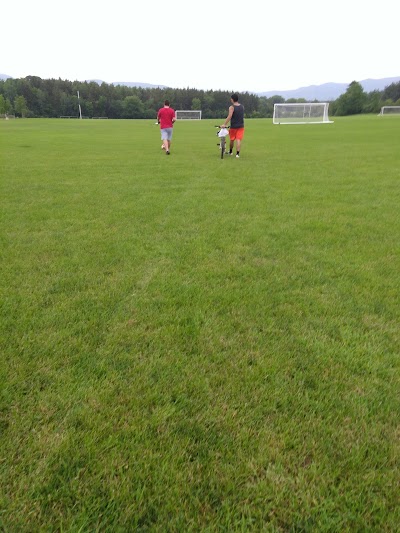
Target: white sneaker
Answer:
pixel 162 147
pixel 237 156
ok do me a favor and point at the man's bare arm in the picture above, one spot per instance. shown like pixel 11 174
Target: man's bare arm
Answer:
pixel 228 118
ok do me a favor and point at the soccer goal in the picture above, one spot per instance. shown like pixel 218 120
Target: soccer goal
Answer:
pixel 187 114
pixel 7 116
pixel 308 113
pixel 390 110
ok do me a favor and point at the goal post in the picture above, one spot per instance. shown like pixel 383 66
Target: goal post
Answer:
pixel 390 110
pixel 305 113
pixel 187 114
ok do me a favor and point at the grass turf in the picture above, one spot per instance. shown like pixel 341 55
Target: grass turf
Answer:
pixel 195 344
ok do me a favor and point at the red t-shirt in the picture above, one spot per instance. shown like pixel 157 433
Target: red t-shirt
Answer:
pixel 165 116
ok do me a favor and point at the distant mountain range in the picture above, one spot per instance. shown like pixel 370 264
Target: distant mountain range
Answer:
pixel 326 91
pixel 330 91
pixel 132 84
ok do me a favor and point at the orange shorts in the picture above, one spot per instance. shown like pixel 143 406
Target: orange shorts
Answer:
pixel 236 133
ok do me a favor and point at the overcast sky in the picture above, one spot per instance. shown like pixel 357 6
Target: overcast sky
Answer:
pixel 248 45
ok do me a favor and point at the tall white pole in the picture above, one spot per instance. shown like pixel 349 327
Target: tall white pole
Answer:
pixel 80 110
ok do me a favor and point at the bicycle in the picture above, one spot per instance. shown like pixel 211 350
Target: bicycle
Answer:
pixel 222 133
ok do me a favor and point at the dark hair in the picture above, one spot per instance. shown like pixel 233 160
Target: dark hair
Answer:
pixel 166 102
pixel 235 97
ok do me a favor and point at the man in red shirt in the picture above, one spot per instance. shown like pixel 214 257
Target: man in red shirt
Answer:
pixel 166 119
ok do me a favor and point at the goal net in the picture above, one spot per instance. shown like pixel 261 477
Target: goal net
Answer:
pixel 186 114
pixel 390 110
pixel 308 113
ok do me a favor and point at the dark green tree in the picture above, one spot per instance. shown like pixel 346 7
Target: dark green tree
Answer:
pixel 101 107
pixel 20 106
pixel 265 107
pixel 196 104
pixel 372 102
pixel 9 109
pixel 352 101
pixel 392 92
pixel 2 105
pixel 132 107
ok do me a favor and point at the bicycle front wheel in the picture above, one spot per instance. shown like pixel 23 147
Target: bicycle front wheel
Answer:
pixel 223 141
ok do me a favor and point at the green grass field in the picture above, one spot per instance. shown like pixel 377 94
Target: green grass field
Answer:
pixel 190 344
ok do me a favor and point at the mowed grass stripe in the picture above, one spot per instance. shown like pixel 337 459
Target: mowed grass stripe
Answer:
pixel 195 344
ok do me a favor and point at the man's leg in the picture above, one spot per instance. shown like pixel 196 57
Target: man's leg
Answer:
pixel 232 138
pixel 239 141
pixel 169 142
pixel 164 140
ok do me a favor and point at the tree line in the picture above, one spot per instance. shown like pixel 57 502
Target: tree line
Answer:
pixel 49 98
